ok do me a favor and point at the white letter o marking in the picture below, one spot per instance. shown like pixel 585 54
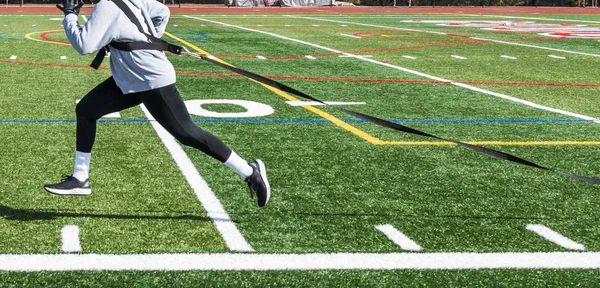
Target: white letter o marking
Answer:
pixel 253 109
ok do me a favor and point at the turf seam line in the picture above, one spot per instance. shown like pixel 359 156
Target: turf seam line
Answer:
pixel 233 238
pixel 469 87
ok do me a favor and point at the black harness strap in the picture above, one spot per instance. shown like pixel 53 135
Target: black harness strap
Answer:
pixel 154 44
pixel 395 126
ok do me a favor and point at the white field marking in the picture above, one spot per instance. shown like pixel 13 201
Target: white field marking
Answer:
pixel 508 57
pixel 353 56
pixel 466 86
pixel 348 35
pixel 109 115
pixel 334 261
pixel 287 25
pixel 261 57
pixel 231 235
pixel 398 238
pixel 63 57
pixel 56 19
pixel 256 25
pixel 13 57
pixel 33 25
pixel 555 237
pixel 85 19
pixel 344 25
pixel 441 33
pixel 69 236
pixel 458 57
pixel 175 25
pixel 409 57
pixel 556 57
pixel 310 57
pixel 314 103
pixel 315 25
pixel 536 18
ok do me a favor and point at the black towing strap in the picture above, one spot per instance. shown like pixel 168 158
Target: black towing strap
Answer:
pixel 154 44
pixel 392 125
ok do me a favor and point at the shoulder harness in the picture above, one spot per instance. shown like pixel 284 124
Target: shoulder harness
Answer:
pixel 154 44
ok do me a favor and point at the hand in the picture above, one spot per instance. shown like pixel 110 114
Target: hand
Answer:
pixel 69 7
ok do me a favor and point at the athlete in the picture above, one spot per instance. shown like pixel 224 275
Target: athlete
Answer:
pixel 139 76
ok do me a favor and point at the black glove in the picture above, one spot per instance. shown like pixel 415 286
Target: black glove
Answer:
pixel 69 6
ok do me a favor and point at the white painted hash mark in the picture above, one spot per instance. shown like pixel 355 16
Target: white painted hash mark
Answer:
pixel 315 103
pixel 330 261
pixel 63 57
pixel 261 57
pixel 508 57
pixel 398 238
pixel 466 86
pixel 70 239
pixel 458 57
pixel 13 57
pixel 233 238
pixel 409 57
pixel 348 35
pixel 310 57
pixel 556 57
pixel 555 237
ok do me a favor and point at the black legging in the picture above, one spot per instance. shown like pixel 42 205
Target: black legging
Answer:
pixel 165 105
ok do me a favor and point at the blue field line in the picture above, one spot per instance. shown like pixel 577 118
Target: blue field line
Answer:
pixel 313 121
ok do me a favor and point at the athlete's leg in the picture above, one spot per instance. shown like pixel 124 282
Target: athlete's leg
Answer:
pixel 167 107
pixel 103 99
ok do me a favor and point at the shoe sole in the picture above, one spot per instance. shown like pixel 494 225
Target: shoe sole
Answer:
pixel 71 192
pixel 263 176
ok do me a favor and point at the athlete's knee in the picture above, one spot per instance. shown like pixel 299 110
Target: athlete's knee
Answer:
pixel 84 112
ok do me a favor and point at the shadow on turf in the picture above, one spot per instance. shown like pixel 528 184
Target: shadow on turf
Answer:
pixel 32 214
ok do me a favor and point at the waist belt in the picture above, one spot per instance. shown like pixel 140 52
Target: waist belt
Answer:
pixel 154 44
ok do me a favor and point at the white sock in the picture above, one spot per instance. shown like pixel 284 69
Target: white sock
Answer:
pixel 82 166
pixel 239 165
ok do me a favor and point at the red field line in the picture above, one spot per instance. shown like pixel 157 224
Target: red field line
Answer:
pixel 337 10
pixel 306 78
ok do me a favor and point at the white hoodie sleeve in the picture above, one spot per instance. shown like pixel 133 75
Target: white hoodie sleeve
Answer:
pixel 159 14
pixel 97 32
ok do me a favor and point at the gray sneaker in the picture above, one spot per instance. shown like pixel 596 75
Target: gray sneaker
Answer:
pixel 69 185
pixel 258 183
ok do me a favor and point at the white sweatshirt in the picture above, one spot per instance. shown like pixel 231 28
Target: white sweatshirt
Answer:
pixel 133 71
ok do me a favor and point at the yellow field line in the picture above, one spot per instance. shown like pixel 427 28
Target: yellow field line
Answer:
pixel 504 143
pixel 28 36
pixel 317 111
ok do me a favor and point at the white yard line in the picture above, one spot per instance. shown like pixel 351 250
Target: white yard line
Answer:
pixel 226 227
pixel 409 57
pixel 473 88
pixel 508 57
pixel 398 238
pixel 555 237
pixel 85 19
pixel 458 57
pixel 442 33
pixel 556 57
pixel 336 261
pixel 533 18
pixel 348 35
pixel 69 236
pixel 314 103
